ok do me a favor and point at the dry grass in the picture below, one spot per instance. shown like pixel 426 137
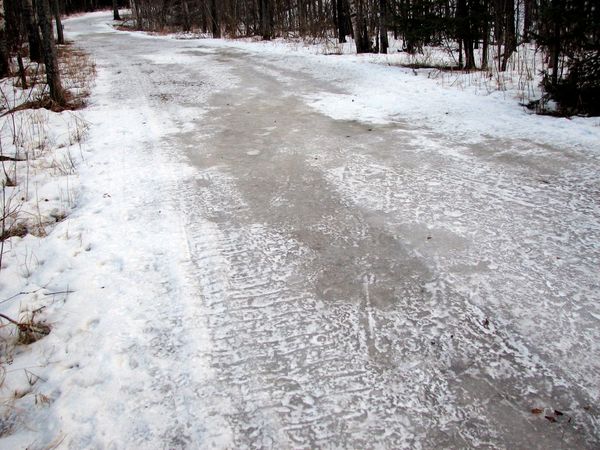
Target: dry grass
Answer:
pixel 78 71
pixel 28 330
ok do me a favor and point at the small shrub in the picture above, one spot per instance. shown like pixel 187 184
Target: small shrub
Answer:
pixel 579 91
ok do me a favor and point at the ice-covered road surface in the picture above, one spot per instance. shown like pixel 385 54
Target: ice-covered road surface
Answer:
pixel 282 270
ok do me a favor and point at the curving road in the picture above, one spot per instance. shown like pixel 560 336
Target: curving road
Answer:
pixel 343 284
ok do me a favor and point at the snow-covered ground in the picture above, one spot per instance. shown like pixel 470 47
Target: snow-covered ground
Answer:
pixel 273 248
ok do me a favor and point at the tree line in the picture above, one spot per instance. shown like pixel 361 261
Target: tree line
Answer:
pixel 568 31
pixel 32 28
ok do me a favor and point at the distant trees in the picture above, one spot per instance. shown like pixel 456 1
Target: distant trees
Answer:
pixel 115 6
pixel 472 24
pixel 567 30
pixel 33 26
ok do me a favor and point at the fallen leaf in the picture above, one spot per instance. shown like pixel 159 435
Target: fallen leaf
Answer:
pixel 537 410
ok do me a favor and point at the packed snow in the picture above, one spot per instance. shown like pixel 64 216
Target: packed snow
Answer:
pixel 266 246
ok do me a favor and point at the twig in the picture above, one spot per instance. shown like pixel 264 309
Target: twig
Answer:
pixel 9 158
pixel 59 292
pixel 10 320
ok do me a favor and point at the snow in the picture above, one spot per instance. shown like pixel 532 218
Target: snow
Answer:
pixel 265 246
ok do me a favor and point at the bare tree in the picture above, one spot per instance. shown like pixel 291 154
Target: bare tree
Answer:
pixel 510 38
pixel 57 93
pixel 60 37
pixel 33 35
pixel 116 15
pixel 342 19
pixel 215 19
pixel 265 19
pixel 383 37
pixel 359 27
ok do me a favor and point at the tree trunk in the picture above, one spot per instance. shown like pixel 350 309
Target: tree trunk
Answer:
pixel 60 37
pixel 342 20
pixel 4 59
pixel 116 15
pixel 33 35
pixel 301 18
pixel 469 54
pixel 510 38
pixel 358 25
pixel 555 52
pixel 465 34
pixel 185 10
pixel 50 59
pixel 265 19
pixel 137 13
pixel 22 73
pixel 383 37
pixel 527 19
pixel 215 20
pixel 485 50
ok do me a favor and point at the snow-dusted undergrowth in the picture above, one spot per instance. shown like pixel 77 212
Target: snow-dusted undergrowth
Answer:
pixel 40 151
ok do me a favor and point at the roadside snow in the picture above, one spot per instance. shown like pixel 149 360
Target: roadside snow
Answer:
pixel 112 280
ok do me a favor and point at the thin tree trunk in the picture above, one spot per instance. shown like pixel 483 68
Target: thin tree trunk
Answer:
pixel 357 27
pixel 527 19
pixel 462 17
pixel 301 18
pixel 383 37
pixel 50 59
pixel 185 10
pixel 4 59
pixel 137 13
pixel 486 46
pixel 60 37
pixel 22 73
pixel 215 20
pixel 510 37
pixel 116 15
pixel 265 19
pixel 342 20
pixel 555 51
pixel 33 35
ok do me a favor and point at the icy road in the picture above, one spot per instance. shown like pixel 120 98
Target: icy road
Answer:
pixel 296 251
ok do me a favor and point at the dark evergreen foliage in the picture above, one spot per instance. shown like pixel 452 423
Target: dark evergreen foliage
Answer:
pixel 579 91
pixel 569 30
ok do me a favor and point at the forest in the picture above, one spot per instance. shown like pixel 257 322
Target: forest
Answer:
pixel 567 31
